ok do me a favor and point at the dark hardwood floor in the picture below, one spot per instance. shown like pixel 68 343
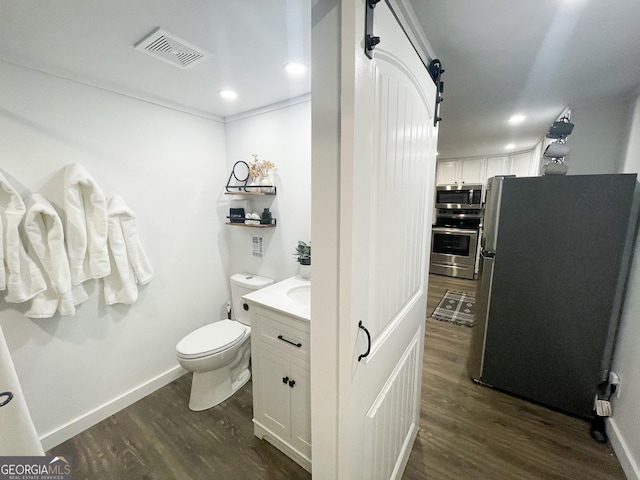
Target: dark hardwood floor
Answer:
pixel 467 431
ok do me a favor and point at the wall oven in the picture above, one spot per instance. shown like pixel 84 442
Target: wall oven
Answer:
pixel 454 242
pixel 453 252
pixel 459 196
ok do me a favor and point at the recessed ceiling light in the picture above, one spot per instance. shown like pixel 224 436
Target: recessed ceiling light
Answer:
pixel 517 119
pixel 509 146
pixel 228 94
pixel 295 68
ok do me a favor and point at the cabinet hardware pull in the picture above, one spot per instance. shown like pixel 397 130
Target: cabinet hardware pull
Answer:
pixel 297 345
pixel 285 379
pixel 9 396
pixel 365 354
pixel 292 383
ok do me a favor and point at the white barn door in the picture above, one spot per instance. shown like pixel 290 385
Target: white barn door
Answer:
pixel 385 177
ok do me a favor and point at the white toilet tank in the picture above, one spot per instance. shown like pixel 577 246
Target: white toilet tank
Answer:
pixel 242 284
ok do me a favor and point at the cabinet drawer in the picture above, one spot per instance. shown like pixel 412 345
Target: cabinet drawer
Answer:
pixel 289 339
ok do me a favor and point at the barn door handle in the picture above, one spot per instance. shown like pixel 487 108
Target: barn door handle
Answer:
pixel 9 396
pixel 365 354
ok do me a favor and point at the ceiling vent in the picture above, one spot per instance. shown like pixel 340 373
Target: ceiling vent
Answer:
pixel 172 49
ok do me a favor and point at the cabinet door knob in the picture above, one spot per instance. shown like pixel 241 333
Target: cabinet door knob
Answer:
pixel 292 383
pixel 285 379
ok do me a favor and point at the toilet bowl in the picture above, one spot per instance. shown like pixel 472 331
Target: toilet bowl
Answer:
pixel 218 354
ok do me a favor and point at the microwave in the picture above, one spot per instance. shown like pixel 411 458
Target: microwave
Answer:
pixel 459 196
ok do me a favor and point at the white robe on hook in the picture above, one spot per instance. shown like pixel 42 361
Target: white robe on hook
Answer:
pixel 45 238
pixel 129 264
pixel 21 277
pixel 86 225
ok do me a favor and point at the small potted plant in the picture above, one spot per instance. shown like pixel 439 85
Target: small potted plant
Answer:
pixel 303 254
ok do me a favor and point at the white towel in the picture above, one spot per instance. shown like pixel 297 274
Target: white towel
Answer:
pixel 86 225
pixel 19 435
pixel 45 238
pixel 23 278
pixel 129 263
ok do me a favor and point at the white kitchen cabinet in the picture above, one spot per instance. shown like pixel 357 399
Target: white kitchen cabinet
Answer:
pixel 496 166
pixel 281 382
pixel 476 170
pixel 460 171
pixel 448 173
pixel 521 165
pixel 472 170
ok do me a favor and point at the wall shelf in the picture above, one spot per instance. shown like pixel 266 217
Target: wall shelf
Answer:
pixel 270 225
pixel 240 174
pixel 250 193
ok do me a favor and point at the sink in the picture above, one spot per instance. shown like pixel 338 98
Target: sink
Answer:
pixel 291 296
pixel 300 294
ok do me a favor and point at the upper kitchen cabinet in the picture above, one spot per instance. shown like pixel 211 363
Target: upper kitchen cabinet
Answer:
pixel 447 172
pixel 521 165
pixel 496 166
pixel 460 171
pixel 479 169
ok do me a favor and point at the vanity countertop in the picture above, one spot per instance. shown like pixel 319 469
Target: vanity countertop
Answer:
pixel 291 297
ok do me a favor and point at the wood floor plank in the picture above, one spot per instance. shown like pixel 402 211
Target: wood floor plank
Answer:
pixel 467 431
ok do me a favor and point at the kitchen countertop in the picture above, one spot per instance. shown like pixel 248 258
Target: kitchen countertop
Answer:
pixel 290 296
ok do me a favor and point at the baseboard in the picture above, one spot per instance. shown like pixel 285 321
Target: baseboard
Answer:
pixel 65 432
pixel 625 456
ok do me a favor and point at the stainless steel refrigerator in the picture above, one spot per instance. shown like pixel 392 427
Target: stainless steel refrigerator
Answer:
pixel 555 255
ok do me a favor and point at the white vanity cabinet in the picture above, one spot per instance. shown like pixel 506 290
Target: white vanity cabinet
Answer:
pixel 281 382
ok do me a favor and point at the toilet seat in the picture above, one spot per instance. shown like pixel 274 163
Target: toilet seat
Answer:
pixel 212 339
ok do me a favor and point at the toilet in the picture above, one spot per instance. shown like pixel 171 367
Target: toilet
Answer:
pixel 218 354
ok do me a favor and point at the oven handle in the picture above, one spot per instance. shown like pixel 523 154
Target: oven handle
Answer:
pixel 456 231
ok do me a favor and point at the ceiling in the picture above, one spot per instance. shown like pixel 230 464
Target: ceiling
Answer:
pixel 92 41
pixel 501 56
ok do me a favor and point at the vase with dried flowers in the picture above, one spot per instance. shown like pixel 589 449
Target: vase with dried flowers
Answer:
pixel 261 174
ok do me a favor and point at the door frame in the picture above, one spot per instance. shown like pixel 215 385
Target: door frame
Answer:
pixel 335 31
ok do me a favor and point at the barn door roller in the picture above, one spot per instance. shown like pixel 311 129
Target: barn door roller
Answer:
pixel 370 40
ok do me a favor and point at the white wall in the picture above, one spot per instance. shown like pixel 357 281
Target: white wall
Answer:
pixel 283 136
pixel 169 167
pixel 598 138
pixel 625 435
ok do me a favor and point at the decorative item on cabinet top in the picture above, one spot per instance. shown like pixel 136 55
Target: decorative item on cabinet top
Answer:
pixel 558 150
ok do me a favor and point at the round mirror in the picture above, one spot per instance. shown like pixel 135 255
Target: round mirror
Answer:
pixel 241 171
